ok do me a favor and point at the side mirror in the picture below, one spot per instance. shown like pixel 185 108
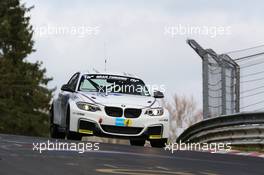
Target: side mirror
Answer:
pixel 66 87
pixel 158 94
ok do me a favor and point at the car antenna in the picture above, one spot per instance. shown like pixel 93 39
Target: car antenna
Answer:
pixel 105 63
pixel 105 56
pixel 95 70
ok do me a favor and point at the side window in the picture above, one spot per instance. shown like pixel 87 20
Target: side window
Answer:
pixel 73 81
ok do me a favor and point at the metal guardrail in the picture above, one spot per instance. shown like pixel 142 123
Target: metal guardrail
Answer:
pixel 237 129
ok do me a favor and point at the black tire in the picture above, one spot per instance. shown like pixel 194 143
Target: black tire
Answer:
pixel 137 142
pixel 73 136
pixel 160 143
pixel 54 129
pixel 69 134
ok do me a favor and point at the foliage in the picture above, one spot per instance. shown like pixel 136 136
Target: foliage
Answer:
pixel 24 96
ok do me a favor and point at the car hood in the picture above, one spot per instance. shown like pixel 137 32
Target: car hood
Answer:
pixel 116 99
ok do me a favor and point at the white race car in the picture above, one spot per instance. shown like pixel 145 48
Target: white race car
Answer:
pixel 109 105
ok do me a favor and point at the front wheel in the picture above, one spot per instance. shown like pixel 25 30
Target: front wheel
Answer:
pixel 137 142
pixel 73 136
pixel 159 143
pixel 69 134
pixel 55 133
pixel 54 129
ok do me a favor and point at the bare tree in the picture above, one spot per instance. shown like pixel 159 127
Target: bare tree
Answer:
pixel 183 113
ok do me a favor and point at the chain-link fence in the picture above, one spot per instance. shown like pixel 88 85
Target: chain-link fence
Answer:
pixel 220 82
pixel 251 63
pixel 232 82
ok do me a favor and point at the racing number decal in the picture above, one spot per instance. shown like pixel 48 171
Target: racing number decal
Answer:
pixel 128 122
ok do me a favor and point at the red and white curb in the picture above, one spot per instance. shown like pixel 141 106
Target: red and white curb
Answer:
pixel 170 147
pixel 236 152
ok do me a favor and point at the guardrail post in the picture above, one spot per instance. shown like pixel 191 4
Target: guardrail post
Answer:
pixel 237 89
pixel 223 86
pixel 206 112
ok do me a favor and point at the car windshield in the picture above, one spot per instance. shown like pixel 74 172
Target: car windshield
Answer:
pixel 113 84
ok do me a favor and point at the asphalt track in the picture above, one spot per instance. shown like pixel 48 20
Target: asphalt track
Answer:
pixel 18 158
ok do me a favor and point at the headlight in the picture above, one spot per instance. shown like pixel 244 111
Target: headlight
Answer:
pixel 88 106
pixel 154 111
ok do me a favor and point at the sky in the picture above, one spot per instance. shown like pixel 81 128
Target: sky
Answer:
pixel 143 37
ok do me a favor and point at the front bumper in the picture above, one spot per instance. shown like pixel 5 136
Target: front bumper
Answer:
pixel 87 127
pixel 100 124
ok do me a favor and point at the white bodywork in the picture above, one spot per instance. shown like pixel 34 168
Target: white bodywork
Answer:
pixel 68 101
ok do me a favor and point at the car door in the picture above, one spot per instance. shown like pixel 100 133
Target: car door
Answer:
pixel 64 97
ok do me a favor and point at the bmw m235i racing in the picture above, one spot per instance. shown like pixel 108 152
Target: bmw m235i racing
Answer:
pixel 109 105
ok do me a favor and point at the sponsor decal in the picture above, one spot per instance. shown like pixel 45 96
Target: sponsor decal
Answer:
pixel 120 122
pixel 155 137
pixel 85 131
pixel 163 120
pixel 123 122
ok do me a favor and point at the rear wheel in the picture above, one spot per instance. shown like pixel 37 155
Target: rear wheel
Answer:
pixel 137 142
pixel 69 134
pixel 54 129
pixel 159 143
